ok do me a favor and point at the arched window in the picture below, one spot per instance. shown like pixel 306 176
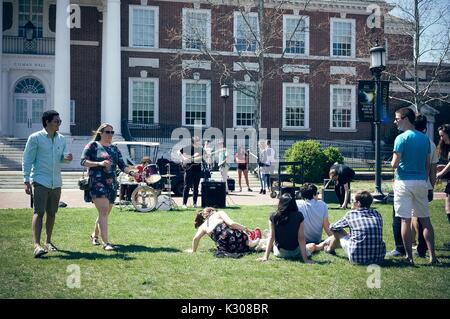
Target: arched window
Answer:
pixel 27 86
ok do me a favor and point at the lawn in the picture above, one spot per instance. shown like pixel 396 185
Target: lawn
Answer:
pixel 151 263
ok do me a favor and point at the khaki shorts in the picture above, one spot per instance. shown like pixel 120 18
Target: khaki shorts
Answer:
pixel 411 199
pixel 46 199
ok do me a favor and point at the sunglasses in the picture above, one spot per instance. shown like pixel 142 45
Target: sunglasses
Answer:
pixel 109 132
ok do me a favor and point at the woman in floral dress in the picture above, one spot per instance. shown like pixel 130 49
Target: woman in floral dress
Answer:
pixel 102 158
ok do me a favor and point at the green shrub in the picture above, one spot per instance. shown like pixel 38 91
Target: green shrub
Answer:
pixel 316 162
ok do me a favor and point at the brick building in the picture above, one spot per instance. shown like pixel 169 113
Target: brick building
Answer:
pixel 116 63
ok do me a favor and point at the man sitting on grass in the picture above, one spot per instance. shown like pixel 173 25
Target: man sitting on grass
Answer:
pixel 364 245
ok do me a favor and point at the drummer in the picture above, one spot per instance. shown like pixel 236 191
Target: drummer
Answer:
pixel 140 168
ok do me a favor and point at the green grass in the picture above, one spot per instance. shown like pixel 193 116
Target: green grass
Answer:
pixel 151 263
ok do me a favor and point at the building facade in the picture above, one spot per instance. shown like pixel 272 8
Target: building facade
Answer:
pixel 140 61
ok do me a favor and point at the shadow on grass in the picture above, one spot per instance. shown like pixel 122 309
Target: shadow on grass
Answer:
pixel 72 255
pixel 140 249
pixel 120 253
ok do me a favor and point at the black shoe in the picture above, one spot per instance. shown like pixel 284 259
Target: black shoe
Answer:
pixel 264 192
pixel 261 191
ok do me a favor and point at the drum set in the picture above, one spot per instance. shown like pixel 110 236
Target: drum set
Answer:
pixel 145 191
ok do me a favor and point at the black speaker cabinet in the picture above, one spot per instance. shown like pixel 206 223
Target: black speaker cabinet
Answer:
pixel 231 184
pixel 213 194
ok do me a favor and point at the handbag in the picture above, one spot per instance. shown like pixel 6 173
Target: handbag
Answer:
pixel 83 183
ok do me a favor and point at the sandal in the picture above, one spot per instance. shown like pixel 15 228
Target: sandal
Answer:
pixel 108 247
pixel 94 240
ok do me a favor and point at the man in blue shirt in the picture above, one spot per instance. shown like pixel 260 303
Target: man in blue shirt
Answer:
pixel 44 153
pixel 411 161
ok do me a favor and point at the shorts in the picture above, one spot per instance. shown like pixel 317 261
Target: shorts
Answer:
pixel 46 200
pixel 411 199
pixel 242 166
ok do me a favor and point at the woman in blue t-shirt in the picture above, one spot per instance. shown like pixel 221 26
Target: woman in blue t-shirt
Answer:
pixel 287 236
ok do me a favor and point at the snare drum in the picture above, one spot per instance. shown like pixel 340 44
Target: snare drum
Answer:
pixel 151 174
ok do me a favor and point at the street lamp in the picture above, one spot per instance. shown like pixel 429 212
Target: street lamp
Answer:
pixel 29 31
pixel 224 94
pixel 377 65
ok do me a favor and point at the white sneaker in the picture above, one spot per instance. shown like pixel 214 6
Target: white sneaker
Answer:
pixel 183 206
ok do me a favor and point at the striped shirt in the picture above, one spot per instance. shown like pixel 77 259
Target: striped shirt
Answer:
pixel 366 235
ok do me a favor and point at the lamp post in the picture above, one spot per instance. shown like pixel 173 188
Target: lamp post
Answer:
pixel 29 37
pixel 377 65
pixel 224 94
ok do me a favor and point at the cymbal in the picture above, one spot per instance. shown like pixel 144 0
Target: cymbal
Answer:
pixel 168 175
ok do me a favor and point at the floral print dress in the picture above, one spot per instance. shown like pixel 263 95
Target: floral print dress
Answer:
pixel 229 240
pixel 102 180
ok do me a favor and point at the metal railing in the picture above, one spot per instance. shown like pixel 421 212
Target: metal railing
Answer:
pixel 19 45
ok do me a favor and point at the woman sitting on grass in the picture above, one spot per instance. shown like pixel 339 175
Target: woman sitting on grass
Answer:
pixel 230 237
pixel 287 236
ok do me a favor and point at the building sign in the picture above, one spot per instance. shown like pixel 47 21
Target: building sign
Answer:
pixel 367 101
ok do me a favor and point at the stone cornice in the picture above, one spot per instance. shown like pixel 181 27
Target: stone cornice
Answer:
pixel 347 6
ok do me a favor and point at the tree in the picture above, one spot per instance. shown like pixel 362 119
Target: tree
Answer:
pixel 256 45
pixel 426 25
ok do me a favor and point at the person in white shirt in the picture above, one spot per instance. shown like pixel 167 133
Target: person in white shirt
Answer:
pixel 315 212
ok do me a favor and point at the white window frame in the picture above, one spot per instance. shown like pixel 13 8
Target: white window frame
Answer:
pixel 208 27
pixel 296 128
pixel 44 26
pixel 72 112
pixel 353 30
pixel 155 97
pixel 208 100
pixel 352 127
pixel 235 28
pixel 235 93
pixel 298 17
pixel 130 25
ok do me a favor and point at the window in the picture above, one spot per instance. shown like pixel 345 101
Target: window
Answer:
pixel 296 34
pixel 295 106
pixel 196 102
pixel 29 86
pixel 31 10
pixel 246 31
pixel 143 101
pixel 245 107
pixel 144 26
pixel 72 112
pixel 196 28
pixel 342 37
pixel 342 111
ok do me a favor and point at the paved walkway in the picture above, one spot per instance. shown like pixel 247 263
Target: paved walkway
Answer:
pixel 16 198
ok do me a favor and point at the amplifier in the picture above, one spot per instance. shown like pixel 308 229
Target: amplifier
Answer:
pixel 213 194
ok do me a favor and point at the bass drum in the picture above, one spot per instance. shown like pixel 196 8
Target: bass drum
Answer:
pixel 144 198
pixel 164 203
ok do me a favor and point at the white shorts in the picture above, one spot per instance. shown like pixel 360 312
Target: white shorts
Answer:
pixel 411 199
pixel 345 244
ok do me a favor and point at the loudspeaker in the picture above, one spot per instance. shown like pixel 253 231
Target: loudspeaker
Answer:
pixel 231 184
pixel 290 190
pixel 213 194
pixel 329 196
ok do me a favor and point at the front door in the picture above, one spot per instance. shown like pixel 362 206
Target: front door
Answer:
pixel 27 115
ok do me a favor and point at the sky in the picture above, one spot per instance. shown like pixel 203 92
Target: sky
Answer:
pixel 438 32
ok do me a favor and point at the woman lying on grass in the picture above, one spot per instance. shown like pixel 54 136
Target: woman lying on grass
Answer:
pixel 230 237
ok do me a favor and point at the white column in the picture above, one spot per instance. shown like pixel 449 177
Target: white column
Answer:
pixel 112 87
pixel 2 106
pixel 4 103
pixel 62 66
pixel 104 55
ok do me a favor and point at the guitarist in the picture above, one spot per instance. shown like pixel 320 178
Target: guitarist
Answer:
pixel 192 161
